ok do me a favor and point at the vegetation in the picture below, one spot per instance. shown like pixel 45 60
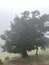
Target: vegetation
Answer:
pixel 32 59
pixel 1 63
pixel 42 58
pixel 26 33
pixel 7 58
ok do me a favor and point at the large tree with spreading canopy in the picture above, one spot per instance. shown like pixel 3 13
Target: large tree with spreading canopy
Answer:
pixel 26 33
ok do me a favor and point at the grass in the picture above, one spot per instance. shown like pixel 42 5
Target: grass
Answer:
pixel 43 55
pixel 5 54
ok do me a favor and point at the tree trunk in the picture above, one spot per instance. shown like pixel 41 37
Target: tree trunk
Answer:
pixel 24 53
pixel 36 52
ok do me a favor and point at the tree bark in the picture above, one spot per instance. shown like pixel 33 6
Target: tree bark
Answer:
pixel 36 52
pixel 24 53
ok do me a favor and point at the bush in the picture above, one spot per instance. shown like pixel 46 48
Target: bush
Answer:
pixel 1 62
pixel 7 58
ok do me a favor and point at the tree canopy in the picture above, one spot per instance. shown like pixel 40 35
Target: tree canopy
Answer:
pixel 26 33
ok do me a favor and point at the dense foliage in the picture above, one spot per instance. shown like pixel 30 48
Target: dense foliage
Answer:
pixel 26 33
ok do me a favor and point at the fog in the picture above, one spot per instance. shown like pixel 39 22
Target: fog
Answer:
pixel 9 8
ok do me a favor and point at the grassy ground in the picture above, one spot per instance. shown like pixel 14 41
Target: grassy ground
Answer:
pixel 16 59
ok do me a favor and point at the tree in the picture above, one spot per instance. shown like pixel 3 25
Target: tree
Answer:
pixel 25 14
pixel 35 13
pixel 25 34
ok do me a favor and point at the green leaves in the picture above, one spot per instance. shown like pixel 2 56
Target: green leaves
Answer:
pixel 26 33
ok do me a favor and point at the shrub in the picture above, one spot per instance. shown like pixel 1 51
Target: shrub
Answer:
pixel 7 58
pixel 1 63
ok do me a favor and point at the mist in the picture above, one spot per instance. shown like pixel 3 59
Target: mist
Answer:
pixel 9 9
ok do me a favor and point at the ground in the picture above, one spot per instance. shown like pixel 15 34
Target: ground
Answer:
pixel 16 59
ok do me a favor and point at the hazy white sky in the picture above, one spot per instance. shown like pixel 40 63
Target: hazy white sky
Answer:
pixel 9 8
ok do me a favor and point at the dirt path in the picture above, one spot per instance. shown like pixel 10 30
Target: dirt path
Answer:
pixel 18 62
pixel 40 62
